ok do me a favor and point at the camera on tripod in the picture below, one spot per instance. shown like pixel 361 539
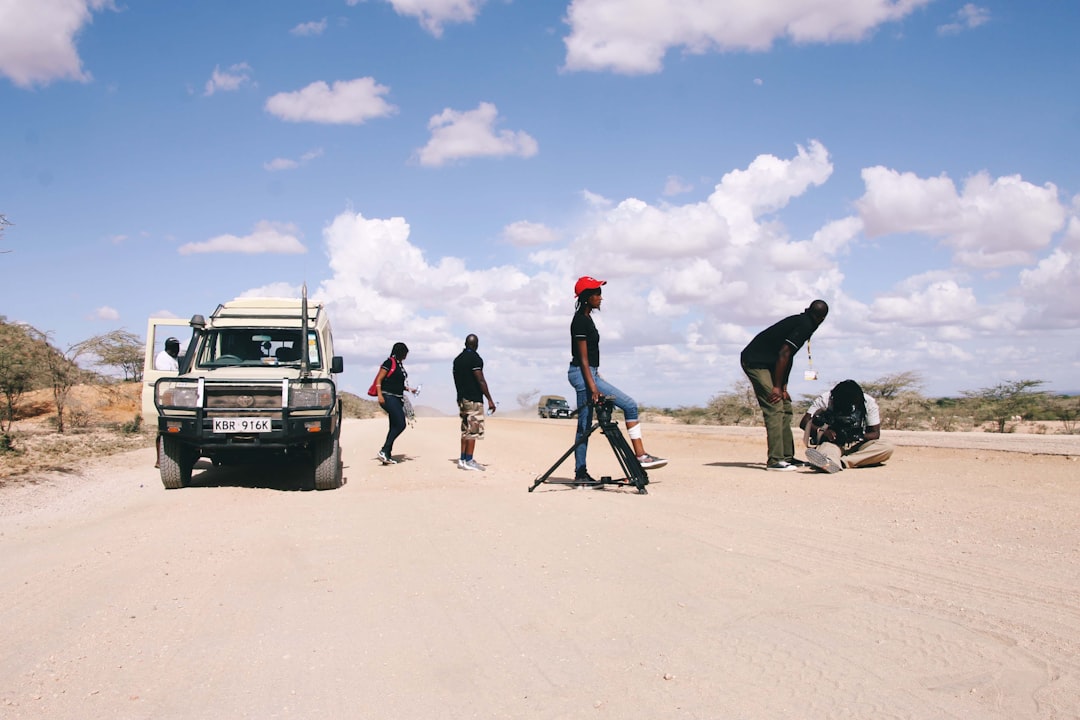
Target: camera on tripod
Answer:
pixel 847 426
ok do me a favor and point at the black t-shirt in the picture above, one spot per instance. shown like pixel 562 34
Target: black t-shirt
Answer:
pixel 465 366
pixel 582 326
pixel 394 382
pixel 764 350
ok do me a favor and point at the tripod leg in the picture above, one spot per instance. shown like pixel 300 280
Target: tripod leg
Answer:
pixel 628 461
pixel 562 459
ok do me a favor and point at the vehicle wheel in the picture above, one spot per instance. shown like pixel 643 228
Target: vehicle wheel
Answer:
pixel 326 454
pixel 177 460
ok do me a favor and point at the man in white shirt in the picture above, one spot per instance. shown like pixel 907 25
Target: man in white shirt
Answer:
pixel 843 429
pixel 167 359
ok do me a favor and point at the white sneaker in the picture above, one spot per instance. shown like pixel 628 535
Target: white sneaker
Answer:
pixel 464 465
pixel 386 459
pixel 650 462
pixel 781 466
pixel 822 461
pixel 473 465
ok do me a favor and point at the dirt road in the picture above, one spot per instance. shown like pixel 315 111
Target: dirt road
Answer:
pixel 945 584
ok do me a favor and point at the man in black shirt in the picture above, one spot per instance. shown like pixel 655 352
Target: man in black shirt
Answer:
pixel 767 363
pixel 472 388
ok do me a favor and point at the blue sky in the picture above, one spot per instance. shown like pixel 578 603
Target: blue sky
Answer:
pixel 432 168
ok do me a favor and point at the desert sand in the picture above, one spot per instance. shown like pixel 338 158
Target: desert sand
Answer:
pixel 944 584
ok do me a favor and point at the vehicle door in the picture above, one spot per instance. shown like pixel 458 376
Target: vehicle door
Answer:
pixel 157 331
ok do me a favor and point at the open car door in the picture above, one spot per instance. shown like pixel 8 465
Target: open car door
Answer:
pixel 157 331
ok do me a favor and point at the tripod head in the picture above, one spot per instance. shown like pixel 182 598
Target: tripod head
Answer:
pixel 603 406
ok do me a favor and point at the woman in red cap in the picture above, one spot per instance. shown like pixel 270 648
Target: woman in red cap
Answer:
pixel 584 376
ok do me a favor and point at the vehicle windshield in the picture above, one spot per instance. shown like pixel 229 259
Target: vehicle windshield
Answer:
pixel 229 347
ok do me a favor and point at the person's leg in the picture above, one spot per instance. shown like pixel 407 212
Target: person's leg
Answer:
pixel 629 407
pixel 773 413
pixel 464 415
pixel 472 429
pixel 871 452
pixel 395 410
pixel 825 456
pixel 788 416
pixel 584 421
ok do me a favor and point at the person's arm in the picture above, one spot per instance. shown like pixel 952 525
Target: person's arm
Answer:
pixel 873 432
pixel 780 375
pixel 378 384
pixel 484 387
pixel 586 371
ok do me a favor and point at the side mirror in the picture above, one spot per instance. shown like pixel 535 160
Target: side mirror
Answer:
pixel 337 364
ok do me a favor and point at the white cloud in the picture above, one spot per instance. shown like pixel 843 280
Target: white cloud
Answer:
pixel 315 27
pixel 688 285
pixel 228 80
pixel 968 17
pixel 107 313
pixel 433 14
pixel 938 302
pixel 991 223
pixel 267 237
pixel 680 282
pixel 633 37
pixel 526 234
pixel 276 289
pixel 278 164
pixel 1051 289
pixel 346 102
pixel 457 135
pixel 37 39
pixel 675 185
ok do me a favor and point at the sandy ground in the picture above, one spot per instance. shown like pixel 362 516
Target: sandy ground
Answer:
pixel 945 584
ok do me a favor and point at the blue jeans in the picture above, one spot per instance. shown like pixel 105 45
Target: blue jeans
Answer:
pixel 395 409
pixel 584 421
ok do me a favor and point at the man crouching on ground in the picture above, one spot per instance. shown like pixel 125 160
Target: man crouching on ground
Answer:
pixel 843 429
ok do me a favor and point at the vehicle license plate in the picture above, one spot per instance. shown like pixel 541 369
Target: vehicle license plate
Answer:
pixel 241 425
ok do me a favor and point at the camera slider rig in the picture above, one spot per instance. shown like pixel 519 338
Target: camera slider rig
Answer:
pixel 635 475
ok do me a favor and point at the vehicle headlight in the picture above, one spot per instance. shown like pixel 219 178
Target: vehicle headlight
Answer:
pixel 310 396
pixel 176 395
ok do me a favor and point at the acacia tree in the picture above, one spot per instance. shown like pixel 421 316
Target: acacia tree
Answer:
pixel 16 375
pixel 736 406
pixel 3 222
pixel 118 349
pixel 61 371
pixel 899 398
pixel 1005 401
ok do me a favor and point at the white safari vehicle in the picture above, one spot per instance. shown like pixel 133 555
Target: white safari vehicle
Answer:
pixel 255 381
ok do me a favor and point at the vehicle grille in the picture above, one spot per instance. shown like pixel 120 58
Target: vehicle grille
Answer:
pixel 243 398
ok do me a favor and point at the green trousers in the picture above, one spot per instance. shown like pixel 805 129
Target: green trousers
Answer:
pixel 778 415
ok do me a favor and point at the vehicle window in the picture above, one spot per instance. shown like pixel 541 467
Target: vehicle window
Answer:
pixel 257 346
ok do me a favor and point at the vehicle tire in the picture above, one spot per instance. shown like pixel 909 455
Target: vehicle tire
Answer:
pixel 177 460
pixel 326 456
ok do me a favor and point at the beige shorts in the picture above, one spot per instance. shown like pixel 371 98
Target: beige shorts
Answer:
pixel 472 419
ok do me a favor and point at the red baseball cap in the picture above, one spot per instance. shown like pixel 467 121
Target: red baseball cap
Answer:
pixel 587 283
